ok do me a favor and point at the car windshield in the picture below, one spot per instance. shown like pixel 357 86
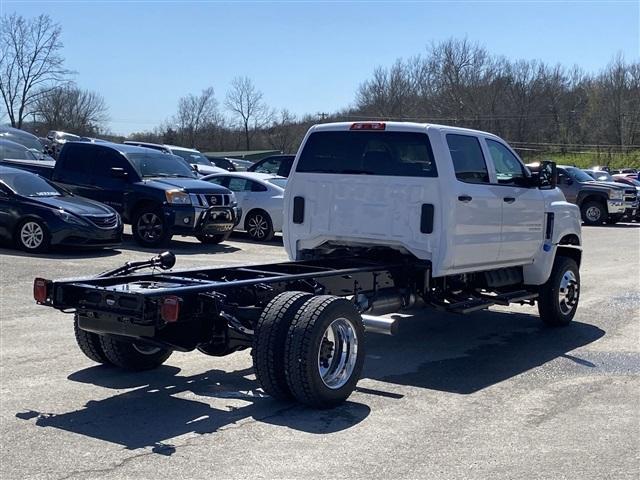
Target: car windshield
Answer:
pixel 403 154
pixel 279 182
pixel 579 175
pixel 28 141
pixel 601 176
pixel 158 164
pixel 29 185
pixel 13 151
pixel 193 157
pixel 67 136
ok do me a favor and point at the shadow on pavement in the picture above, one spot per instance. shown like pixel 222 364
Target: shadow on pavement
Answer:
pixel 63 253
pixel 167 406
pixel 178 245
pixel 458 354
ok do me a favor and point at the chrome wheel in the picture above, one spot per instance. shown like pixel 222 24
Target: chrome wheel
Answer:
pixel 149 227
pixel 593 214
pixel 338 353
pixel 568 292
pixel 258 226
pixel 31 235
pixel 145 349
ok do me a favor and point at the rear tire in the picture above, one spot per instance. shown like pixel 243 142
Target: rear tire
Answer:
pixel 559 296
pixel 131 356
pixel 89 344
pixel 269 342
pixel 259 226
pixel 324 351
pixel 593 213
pixel 213 239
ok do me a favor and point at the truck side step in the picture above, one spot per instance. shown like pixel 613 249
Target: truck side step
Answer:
pixel 468 306
pixel 510 297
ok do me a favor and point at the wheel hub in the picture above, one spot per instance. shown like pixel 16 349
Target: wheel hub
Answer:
pixel 593 213
pixel 31 235
pixel 337 353
pixel 568 292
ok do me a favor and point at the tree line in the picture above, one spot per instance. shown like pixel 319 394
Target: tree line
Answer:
pixel 534 105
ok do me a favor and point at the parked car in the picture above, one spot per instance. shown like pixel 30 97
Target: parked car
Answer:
pixel 630 201
pixel 241 165
pixel 274 164
pixel 260 197
pixel 25 139
pixel 599 202
pixel 35 214
pixel 57 140
pixel 156 194
pixel 198 161
pixel 222 162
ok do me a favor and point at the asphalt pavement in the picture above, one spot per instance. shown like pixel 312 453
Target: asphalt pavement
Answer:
pixel 489 395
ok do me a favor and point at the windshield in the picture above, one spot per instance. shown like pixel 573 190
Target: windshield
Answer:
pixel 156 164
pixel 601 176
pixel 28 141
pixel 279 182
pixel 67 136
pixel 29 185
pixel 193 157
pixel 579 175
pixel 402 154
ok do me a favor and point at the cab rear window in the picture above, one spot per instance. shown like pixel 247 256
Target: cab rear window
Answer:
pixel 400 154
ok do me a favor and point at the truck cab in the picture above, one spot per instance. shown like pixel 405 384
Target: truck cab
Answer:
pixel 461 199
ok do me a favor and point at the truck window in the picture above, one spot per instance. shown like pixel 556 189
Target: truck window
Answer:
pixel 76 158
pixel 468 160
pixel 509 170
pixel 400 154
pixel 105 160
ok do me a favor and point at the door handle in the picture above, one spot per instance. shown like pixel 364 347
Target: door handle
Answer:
pixel 465 198
pixel 509 199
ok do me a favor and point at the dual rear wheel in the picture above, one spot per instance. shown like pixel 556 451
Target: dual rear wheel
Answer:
pixel 309 348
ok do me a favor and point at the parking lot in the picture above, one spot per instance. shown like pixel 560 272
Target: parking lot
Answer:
pixel 489 395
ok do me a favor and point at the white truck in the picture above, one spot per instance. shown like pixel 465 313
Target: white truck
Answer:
pixel 379 218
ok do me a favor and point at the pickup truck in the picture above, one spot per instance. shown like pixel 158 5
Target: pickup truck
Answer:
pixel 159 195
pixel 379 218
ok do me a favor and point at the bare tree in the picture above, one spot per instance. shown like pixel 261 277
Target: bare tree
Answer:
pixel 30 63
pixel 195 112
pixel 72 108
pixel 284 132
pixel 245 102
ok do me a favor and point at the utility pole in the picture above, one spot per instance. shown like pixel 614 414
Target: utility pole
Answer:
pixel 322 116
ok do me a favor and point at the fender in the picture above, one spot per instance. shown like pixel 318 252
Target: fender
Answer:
pixel 566 230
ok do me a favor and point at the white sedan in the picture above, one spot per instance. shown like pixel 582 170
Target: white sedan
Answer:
pixel 260 195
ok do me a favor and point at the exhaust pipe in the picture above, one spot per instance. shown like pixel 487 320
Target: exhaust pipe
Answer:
pixel 383 325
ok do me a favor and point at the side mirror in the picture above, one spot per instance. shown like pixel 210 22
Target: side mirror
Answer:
pixel 119 172
pixel 547 177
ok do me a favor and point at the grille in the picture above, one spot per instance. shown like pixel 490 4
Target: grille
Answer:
pixel 217 200
pixel 630 195
pixel 103 221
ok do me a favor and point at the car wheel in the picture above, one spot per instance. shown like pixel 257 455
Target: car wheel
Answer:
pixel 213 239
pixel 259 226
pixel 33 236
pixel 593 213
pixel 149 228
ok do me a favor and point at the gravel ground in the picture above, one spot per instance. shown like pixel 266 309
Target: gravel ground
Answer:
pixel 489 395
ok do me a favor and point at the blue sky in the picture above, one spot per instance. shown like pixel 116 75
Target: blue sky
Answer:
pixel 305 56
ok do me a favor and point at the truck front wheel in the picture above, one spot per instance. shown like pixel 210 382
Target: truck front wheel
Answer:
pixel 324 351
pixel 130 355
pixel 558 300
pixel 593 213
pixel 149 228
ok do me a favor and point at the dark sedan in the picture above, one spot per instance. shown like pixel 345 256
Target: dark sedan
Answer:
pixel 35 215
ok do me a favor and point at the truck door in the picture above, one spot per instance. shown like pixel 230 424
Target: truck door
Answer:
pixel 568 186
pixel 110 187
pixel 476 224
pixel 523 206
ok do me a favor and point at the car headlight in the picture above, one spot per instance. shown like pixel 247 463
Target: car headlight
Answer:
pixel 616 194
pixel 233 201
pixel 178 197
pixel 69 217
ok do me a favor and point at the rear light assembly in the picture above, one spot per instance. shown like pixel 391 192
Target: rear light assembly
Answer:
pixel 170 308
pixel 368 126
pixel 41 290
